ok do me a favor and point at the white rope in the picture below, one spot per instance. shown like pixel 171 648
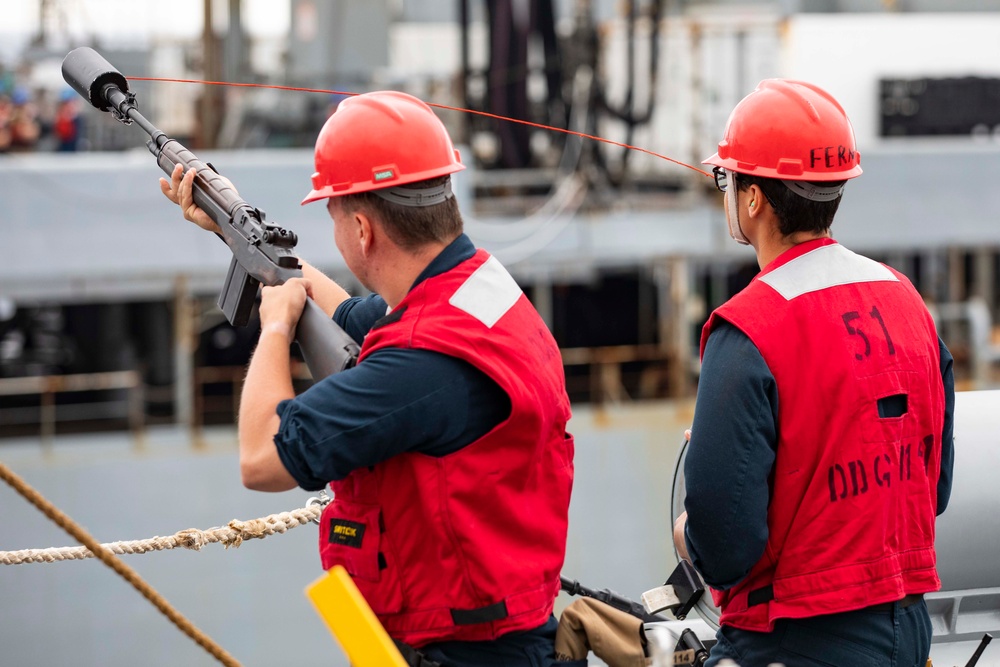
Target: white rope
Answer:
pixel 231 535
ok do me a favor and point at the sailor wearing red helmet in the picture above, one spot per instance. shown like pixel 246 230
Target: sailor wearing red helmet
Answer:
pixel 821 447
pixel 446 446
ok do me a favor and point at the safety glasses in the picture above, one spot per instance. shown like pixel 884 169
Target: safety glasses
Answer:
pixel 721 178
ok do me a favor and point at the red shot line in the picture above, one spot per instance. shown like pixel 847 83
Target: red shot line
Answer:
pixel 438 106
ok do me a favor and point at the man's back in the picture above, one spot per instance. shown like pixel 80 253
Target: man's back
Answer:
pixel 855 410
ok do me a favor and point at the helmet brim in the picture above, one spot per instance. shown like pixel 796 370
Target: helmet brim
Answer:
pixel 328 191
pixel 714 160
pixel 806 175
pixel 315 195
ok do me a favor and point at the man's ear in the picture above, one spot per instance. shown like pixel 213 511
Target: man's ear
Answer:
pixel 756 200
pixel 365 230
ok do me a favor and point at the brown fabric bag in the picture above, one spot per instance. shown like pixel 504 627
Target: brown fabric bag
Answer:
pixel 590 625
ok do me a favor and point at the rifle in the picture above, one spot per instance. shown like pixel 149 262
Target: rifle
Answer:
pixel 679 594
pixel 263 253
pixel 610 598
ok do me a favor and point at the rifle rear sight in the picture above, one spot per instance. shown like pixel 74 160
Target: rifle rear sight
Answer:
pixel 280 236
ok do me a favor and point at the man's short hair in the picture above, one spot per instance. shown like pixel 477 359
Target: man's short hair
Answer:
pixel 795 213
pixel 411 227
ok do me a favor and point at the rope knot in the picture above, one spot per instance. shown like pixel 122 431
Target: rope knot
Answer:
pixel 245 530
pixel 192 538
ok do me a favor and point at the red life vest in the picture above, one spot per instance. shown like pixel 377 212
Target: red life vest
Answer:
pixel 853 494
pixel 467 546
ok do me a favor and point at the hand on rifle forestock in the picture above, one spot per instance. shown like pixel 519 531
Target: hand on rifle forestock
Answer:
pixel 180 190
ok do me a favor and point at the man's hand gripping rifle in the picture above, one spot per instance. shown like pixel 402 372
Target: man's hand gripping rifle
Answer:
pixel 262 252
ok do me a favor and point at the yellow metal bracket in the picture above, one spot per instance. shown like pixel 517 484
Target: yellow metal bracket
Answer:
pixel 352 622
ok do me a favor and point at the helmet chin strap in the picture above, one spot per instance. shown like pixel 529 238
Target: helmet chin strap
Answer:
pixel 733 213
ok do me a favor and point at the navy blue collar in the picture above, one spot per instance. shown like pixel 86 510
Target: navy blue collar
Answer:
pixel 454 254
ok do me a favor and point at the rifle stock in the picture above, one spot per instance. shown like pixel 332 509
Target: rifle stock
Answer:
pixel 324 350
pixel 263 253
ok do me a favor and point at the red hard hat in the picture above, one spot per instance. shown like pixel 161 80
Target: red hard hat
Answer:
pixel 380 140
pixel 790 130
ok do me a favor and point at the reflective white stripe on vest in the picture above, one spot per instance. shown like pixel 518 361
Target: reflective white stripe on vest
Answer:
pixel 825 267
pixel 488 293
